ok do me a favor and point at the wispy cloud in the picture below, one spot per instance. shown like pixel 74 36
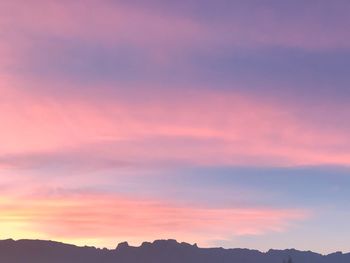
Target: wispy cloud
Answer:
pixel 211 128
pixel 116 91
pixel 77 216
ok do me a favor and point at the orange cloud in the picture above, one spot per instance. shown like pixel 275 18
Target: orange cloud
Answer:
pixel 106 219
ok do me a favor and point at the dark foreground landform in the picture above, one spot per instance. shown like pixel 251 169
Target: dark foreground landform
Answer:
pixel 160 251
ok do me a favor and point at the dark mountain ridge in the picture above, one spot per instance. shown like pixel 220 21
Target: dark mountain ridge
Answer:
pixel 160 251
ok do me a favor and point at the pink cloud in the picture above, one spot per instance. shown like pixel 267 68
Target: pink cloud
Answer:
pixel 112 23
pixel 207 127
pixel 211 128
pixel 93 129
pixel 111 218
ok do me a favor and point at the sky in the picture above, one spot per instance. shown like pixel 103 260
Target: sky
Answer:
pixel 216 122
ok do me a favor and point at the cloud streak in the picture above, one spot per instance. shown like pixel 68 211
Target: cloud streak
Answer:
pixel 73 217
pixel 296 24
pixel 118 103
pixel 213 128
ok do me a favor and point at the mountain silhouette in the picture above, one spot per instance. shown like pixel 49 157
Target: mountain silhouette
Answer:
pixel 160 251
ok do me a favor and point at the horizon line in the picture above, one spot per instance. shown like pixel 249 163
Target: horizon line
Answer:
pixel 194 245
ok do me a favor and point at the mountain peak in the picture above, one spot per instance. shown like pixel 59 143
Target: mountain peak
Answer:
pixel 122 245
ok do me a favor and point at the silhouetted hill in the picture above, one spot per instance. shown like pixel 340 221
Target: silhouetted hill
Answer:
pixel 160 251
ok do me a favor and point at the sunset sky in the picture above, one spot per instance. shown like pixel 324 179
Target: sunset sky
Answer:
pixel 216 122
